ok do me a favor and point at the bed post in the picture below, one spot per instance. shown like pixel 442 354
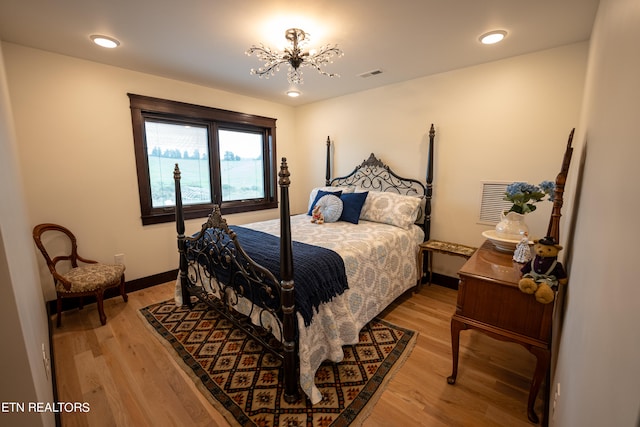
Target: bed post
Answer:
pixel 286 283
pixel 429 188
pixel 186 299
pixel 561 179
pixel 327 175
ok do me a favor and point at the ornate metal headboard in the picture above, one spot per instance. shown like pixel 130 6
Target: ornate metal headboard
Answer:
pixel 374 175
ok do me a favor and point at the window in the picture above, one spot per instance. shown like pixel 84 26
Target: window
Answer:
pixel 225 158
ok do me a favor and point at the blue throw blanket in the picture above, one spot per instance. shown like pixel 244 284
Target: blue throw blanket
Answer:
pixel 318 273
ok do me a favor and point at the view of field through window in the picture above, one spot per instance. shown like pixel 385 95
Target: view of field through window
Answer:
pixel 241 166
pixel 240 154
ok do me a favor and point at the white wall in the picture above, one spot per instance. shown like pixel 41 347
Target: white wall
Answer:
pixel 598 364
pixel 75 142
pixel 23 325
pixel 507 121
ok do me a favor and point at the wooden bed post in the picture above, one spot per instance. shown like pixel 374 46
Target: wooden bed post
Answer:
pixel 429 188
pixel 327 176
pixel 186 299
pixel 287 286
pixel 561 179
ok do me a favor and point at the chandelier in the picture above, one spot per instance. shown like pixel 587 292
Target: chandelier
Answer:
pixel 294 56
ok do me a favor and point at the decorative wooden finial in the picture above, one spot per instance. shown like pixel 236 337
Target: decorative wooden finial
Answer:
pixel 284 173
pixel 176 172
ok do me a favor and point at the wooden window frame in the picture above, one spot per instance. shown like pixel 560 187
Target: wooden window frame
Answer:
pixel 173 111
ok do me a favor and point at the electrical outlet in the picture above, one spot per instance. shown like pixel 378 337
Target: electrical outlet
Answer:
pixel 46 361
pixel 556 395
pixel 119 259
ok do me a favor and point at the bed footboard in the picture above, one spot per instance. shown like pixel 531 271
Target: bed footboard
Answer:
pixel 215 268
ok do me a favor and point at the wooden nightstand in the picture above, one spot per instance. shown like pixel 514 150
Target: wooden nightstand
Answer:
pixel 490 301
pixel 436 246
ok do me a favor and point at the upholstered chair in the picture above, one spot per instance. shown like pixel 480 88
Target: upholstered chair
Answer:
pixel 72 279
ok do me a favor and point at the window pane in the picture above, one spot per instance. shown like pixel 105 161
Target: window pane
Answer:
pixel 187 145
pixel 241 165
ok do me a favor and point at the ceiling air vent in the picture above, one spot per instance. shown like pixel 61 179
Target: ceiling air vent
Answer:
pixel 492 203
pixel 370 73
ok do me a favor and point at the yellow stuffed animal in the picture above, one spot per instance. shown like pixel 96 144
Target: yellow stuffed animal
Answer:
pixel 543 274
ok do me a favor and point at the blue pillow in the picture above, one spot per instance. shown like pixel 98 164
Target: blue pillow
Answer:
pixel 352 206
pixel 318 196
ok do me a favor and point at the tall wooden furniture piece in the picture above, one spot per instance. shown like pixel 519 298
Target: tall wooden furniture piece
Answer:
pixel 490 301
pixel 79 280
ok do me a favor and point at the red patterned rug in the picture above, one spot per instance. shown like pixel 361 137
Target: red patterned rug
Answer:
pixel 243 381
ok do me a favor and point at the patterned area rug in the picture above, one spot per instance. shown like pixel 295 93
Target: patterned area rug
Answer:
pixel 243 381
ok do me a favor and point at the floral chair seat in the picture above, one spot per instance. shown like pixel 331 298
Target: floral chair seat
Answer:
pixel 90 277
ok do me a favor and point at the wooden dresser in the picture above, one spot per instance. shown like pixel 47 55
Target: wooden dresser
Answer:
pixel 489 301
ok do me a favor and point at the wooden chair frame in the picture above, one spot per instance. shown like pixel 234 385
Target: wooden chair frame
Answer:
pixel 73 258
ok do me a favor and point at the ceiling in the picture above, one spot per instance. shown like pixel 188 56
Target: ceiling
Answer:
pixel 204 41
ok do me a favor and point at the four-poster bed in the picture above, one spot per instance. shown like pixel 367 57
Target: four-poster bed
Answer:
pixel 327 282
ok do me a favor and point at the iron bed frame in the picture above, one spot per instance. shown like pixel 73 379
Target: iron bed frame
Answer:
pixel 217 245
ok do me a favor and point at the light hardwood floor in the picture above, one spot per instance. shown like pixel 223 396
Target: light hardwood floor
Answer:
pixel 129 379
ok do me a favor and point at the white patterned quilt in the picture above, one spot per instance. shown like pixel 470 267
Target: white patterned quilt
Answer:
pixel 380 262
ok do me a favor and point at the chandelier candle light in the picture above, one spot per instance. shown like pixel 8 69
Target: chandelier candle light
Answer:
pixel 294 56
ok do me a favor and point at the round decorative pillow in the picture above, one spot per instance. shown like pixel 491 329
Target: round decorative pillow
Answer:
pixel 331 207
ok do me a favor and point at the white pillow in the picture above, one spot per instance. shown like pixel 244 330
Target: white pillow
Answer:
pixel 314 193
pixel 331 207
pixel 422 208
pixel 391 208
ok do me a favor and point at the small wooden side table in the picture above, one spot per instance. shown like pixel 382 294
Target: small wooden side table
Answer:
pixel 440 247
pixel 490 301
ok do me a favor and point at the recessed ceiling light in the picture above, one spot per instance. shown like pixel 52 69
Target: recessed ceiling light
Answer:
pixel 105 41
pixel 293 93
pixel 493 37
